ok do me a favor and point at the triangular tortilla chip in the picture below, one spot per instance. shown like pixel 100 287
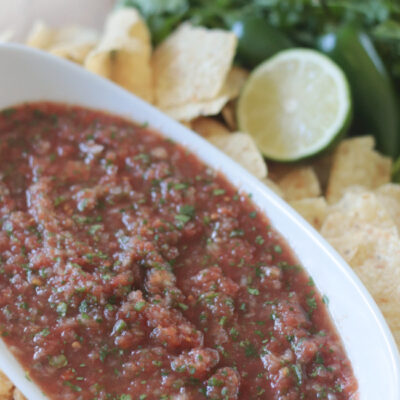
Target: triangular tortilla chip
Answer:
pixel 242 149
pixel 72 43
pixel 356 163
pixel 124 53
pixel 230 90
pixel 192 65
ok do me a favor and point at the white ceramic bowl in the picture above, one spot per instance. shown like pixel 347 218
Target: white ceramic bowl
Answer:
pixel 30 75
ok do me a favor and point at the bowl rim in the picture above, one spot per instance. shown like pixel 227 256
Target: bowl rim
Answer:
pixel 234 173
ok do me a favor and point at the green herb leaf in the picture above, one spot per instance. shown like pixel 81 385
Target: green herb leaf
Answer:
pixel 253 291
pixel 119 326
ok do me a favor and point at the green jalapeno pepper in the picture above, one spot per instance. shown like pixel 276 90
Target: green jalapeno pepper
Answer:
pixel 375 102
pixel 257 39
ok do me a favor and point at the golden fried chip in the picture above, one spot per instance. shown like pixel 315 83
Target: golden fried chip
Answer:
pixel 17 395
pixel 229 115
pixel 5 387
pixel 358 208
pixel 242 149
pixel 72 43
pixel 76 50
pixel 235 81
pixel 346 246
pixel 191 110
pixel 273 186
pixel 125 64
pixel 41 36
pixel 127 23
pixel 374 254
pixel 313 210
pixel 322 166
pixel 362 230
pixel 389 197
pixel 276 170
pixel 192 65
pixel 377 264
pixel 124 53
pixel 207 127
pixel 356 163
pixel 188 124
pixel 299 184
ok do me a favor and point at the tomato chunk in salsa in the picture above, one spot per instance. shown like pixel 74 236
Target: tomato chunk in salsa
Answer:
pixel 131 270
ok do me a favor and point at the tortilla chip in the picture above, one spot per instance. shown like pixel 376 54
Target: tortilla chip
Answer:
pixel 209 127
pixel 188 124
pixel 389 196
pixel 5 387
pixel 128 23
pixel 192 110
pixel 192 65
pixel 313 210
pixel 362 230
pixel 276 170
pixel 125 64
pixel 299 184
pixel 235 81
pixel 357 209
pixel 347 221
pixel 322 166
pixel 72 43
pixel 273 186
pixel 229 115
pixel 124 53
pixel 374 254
pixel 377 264
pixel 74 51
pixel 17 395
pixel 41 36
pixel 379 208
pixel 242 149
pixel 356 163
pixel 345 246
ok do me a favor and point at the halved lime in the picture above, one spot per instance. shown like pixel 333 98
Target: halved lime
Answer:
pixel 295 104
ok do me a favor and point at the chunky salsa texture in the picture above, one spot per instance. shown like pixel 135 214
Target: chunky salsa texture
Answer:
pixel 130 270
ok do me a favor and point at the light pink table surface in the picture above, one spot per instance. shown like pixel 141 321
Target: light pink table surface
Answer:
pixel 19 15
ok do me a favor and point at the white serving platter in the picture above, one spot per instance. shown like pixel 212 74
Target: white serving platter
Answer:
pixel 31 75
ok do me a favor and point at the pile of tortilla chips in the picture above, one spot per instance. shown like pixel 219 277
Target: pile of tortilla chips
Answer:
pixel 8 391
pixel 346 194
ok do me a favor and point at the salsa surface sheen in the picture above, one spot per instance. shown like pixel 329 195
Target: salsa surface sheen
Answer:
pixel 130 270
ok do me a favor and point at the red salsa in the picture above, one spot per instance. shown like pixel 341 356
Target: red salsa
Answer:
pixel 130 270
